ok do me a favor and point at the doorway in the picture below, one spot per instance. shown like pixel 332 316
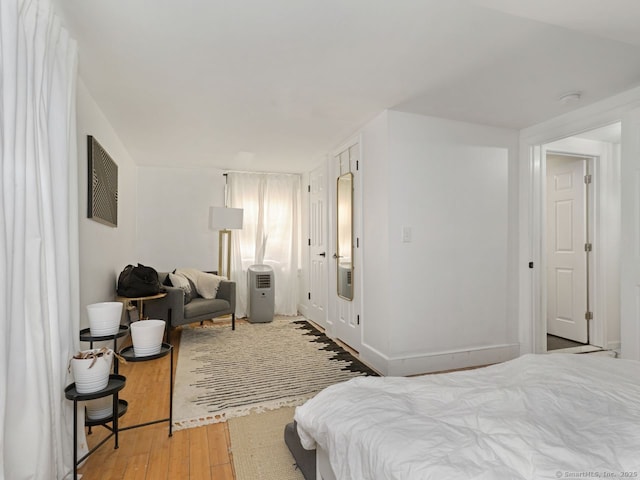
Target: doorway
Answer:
pixel 580 208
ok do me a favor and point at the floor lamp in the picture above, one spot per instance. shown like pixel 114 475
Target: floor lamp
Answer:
pixel 224 220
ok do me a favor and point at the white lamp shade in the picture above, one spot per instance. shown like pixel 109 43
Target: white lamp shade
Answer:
pixel 222 218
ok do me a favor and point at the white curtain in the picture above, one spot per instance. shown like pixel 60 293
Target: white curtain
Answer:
pixel 270 234
pixel 39 301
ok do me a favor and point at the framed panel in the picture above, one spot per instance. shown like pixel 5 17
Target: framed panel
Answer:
pixel 103 185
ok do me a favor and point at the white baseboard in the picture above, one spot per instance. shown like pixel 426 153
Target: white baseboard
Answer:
pixel 615 346
pixel 438 361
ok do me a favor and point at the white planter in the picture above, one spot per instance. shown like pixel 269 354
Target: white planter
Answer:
pixel 100 408
pixel 146 336
pixel 92 374
pixel 104 318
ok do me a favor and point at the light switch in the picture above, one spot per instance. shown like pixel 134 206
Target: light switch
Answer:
pixel 406 234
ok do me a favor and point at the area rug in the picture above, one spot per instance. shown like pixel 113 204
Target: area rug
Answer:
pixel 223 373
pixel 258 448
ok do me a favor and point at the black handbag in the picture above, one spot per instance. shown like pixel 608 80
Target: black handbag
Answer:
pixel 139 281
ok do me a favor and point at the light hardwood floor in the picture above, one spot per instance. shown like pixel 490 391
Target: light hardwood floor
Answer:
pixel 148 453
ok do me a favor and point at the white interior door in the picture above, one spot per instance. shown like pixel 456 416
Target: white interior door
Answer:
pixel 567 271
pixel 346 267
pixel 318 246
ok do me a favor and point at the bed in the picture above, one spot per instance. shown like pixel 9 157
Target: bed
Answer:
pixel 538 416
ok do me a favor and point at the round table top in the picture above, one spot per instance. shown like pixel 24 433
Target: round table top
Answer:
pixel 148 297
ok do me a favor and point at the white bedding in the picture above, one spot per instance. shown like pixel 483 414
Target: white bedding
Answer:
pixel 538 416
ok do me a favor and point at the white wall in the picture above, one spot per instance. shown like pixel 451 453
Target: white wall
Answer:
pixel 445 299
pixel 104 250
pixel 376 305
pixel 173 217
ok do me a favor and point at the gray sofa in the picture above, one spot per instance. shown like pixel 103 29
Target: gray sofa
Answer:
pixel 173 310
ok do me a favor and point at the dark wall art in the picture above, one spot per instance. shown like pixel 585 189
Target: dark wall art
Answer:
pixel 103 185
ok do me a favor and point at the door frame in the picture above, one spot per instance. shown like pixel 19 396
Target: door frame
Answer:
pixel 597 327
pixel 619 108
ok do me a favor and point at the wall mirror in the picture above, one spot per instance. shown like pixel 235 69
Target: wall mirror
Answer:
pixel 344 218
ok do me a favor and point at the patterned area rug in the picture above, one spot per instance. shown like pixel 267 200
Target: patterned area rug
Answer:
pixel 263 366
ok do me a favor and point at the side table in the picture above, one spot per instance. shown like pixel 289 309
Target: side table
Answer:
pixel 116 383
pixel 140 301
pixel 128 353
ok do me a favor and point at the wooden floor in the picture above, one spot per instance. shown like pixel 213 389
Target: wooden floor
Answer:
pixel 148 453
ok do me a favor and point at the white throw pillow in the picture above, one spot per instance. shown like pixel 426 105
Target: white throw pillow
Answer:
pixel 206 283
pixel 180 281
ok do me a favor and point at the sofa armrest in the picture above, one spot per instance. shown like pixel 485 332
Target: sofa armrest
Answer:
pixel 227 291
pixel 169 308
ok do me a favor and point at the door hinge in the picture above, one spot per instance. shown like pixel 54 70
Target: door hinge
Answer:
pixel 587 179
pixel 588 247
pixel 309 188
pixel 357 242
pixel 588 316
pixel 358 319
pixel 357 165
pixel 309 295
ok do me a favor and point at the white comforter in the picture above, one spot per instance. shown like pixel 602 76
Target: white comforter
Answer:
pixel 538 416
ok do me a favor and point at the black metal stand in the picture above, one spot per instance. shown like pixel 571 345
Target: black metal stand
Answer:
pixel 128 353
pixel 116 383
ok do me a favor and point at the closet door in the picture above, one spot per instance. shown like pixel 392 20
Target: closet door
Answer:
pixel 347 269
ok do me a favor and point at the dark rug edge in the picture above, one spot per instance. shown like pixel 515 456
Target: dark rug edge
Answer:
pixel 353 364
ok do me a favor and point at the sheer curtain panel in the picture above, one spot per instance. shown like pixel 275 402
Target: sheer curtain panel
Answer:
pixel 38 241
pixel 270 234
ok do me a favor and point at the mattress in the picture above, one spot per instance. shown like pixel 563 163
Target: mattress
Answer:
pixel 538 416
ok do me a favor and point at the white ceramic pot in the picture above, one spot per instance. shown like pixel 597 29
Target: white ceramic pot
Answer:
pixel 92 374
pixel 146 336
pixel 100 408
pixel 104 318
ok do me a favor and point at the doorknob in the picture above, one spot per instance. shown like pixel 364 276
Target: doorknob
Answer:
pixel 323 254
pixel 335 255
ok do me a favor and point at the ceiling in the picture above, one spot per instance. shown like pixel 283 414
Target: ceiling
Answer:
pixel 272 85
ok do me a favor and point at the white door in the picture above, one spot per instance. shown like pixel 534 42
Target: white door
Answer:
pixel 346 266
pixel 318 246
pixel 630 238
pixel 567 271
